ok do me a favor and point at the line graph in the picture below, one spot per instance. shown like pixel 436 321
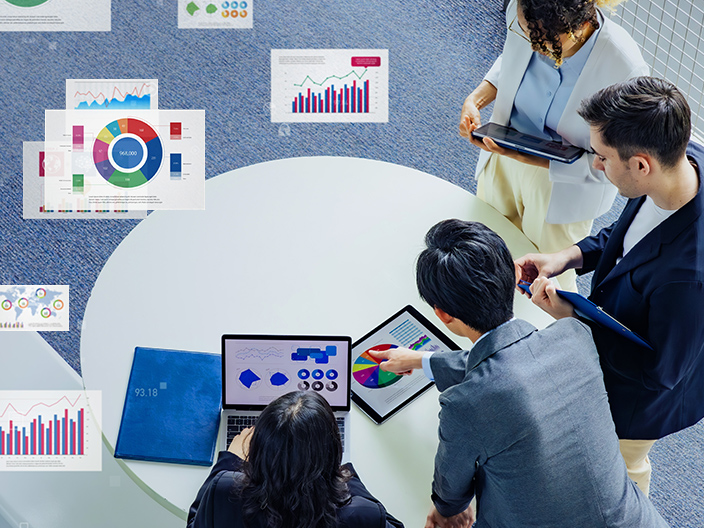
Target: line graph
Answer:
pixel 49 405
pixel 50 431
pixel 359 77
pixel 113 94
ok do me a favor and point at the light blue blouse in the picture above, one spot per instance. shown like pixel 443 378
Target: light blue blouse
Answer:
pixel 544 91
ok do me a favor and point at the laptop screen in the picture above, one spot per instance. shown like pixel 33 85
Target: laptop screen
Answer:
pixel 257 369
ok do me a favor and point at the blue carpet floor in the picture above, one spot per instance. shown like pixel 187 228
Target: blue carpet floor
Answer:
pixel 438 52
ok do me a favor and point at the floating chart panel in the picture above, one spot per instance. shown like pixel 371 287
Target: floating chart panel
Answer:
pixel 329 86
pixel 50 431
pixel 128 161
pixel 34 308
pixel 367 372
pixel 221 14
pixel 55 15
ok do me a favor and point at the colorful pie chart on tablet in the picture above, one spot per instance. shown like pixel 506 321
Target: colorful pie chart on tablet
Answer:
pixel 367 373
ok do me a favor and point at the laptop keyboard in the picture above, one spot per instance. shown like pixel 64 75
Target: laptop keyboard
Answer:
pixel 236 424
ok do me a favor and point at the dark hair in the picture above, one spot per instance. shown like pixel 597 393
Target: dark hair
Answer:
pixel 292 473
pixel 467 271
pixel 643 114
pixel 549 19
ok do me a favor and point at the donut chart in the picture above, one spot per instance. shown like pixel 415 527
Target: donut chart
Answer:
pixel 128 153
pixel 367 373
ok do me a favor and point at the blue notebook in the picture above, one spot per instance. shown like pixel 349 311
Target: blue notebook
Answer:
pixel 172 407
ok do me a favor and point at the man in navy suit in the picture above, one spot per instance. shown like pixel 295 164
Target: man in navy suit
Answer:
pixel 524 416
pixel 648 266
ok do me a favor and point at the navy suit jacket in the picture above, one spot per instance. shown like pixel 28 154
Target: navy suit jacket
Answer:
pixel 657 290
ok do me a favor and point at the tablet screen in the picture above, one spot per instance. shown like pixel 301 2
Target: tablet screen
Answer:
pixel 378 393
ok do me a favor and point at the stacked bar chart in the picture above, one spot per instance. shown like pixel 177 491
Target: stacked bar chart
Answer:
pixel 50 430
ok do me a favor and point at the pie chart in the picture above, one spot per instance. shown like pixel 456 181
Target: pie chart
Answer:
pixel 367 373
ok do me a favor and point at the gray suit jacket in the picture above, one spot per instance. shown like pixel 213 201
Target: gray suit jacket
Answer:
pixel 525 424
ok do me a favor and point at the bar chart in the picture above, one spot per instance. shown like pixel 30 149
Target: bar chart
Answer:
pixel 329 86
pixel 50 430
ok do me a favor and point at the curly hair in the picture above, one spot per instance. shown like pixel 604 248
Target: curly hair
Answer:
pixel 292 474
pixel 548 20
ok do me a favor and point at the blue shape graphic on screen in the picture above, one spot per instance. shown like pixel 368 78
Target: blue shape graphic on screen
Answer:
pixel 318 354
pixel 317 374
pixel 331 374
pixel 303 374
pixel 248 378
pixel 278 379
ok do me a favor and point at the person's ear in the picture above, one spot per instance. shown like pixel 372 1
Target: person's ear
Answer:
pixel 443 316
pixel 641 163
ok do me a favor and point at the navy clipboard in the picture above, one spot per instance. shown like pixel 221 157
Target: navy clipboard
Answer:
pixel 588 310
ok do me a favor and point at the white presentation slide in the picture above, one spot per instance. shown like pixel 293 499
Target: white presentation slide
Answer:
pixel 55 15
pixel 215 14
pixel 34 308
pixel 112 94
pixel 50 430
pixel 126 159
pixel 330 86
pixel 36 164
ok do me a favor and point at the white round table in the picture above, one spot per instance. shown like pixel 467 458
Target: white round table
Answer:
pixel 319 245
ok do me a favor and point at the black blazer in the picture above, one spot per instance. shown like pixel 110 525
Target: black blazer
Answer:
pixel 657 290
pixel 218 505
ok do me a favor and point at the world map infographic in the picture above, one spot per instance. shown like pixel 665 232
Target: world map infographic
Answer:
pixel 34 308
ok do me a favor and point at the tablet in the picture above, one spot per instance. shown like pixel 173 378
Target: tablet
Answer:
pixel 515 140
pixel 382 394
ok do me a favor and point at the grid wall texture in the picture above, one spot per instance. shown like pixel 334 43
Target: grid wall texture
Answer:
pixel 670 34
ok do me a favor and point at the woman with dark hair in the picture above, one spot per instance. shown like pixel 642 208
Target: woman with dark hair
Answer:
pixel 557 52
pixel 286 473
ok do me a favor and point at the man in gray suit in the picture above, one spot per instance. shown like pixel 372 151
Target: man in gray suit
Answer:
pixel 525 423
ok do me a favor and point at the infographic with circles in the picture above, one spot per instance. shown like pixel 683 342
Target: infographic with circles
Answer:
pixel 55 15
pixel 219 14
pixel 259 370
pixel 34 308
pixel 117 160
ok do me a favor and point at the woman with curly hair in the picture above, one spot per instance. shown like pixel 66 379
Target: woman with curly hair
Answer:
pixel 557 52
pixel 286 473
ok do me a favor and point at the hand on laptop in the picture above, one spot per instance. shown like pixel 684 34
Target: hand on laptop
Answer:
pixel 240 444
pixel 399 360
